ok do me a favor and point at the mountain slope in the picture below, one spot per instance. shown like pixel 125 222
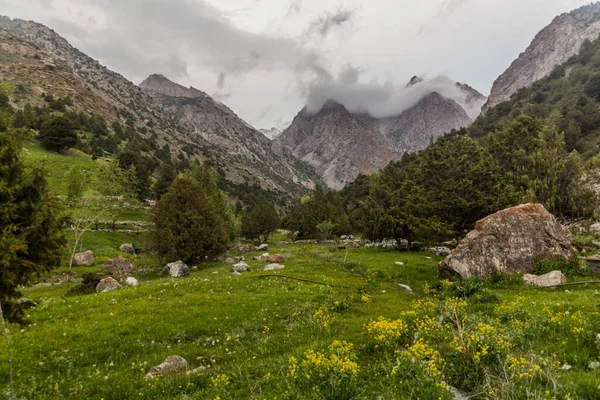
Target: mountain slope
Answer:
pixel 341 145
pixel 34 60
pixel 552 46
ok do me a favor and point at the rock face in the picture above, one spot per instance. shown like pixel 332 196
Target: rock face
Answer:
pixel 118 267
pixel 509 241
pixel 550 279
pixel 552 46
pixel 341 144
pixel 107 285
pixel 86 258
pixel 178 269
pixel 171 365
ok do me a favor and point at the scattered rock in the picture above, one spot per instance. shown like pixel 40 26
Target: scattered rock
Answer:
pixel 86 258
pixel 429 258
pixel 549 279
pixel 406 287
pixel 131 281
pixel 127 248
pixel 240 267
pixel 439 250
pixel 171 365
pixel 262 257
pixel 195 268
pixel 343 237
pixel 230 261
pixel 355 245
pixel 273 267
pixel 509 242
pixel 118 267
pixel 243 248
pixel 26 303
pixel 399 263
pixel 263 247
pixel 178 269
pixel 107 285
pixel 235 273
pixel 275 258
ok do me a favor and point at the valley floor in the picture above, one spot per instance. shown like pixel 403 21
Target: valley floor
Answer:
pixel 275 338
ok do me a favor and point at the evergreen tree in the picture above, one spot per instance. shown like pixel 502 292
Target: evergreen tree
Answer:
pixel 57 134
pixel 260 220
pixel 166 175
pixel 31 240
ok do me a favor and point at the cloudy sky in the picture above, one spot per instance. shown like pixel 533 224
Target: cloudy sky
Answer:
pixel 266 59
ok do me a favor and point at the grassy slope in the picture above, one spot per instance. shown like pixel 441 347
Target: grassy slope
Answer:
pixel 100 345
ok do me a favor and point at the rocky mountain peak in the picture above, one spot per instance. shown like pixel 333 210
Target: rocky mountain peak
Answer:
pixel 552 46
pixel 159 83
pixel 414 80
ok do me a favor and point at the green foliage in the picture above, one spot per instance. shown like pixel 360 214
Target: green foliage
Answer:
pixel 58 134
pixel 75 183
pixel 325 229
pixel 189 223
pixel 31 239
pixel 571 268
pixel 88 284
pixel 166 175
pixel 260 220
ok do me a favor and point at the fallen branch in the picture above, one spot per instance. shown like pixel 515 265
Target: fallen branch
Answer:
pixel 569 284
pixel 297 279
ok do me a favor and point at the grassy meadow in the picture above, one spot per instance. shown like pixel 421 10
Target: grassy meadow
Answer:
pixel 276 338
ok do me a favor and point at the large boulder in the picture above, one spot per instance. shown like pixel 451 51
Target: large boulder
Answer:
pixel 550 279
pixel 107 285
pixel 178 269
pixel 510 241
pixel 171 365
pixel 86 258
pixel 127 248
pixel 118 267
pixel 240 267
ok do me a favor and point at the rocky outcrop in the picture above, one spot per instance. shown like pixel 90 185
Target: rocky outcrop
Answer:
pixel 341 144
pixel 509 241
pixel 552 46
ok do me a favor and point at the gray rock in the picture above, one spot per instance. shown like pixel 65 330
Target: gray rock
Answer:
pixel 263 247
pixel 399 263
pixel 107 285
pixel 86 258
pixel 171 365
pixel 127 248
pixel 439 250
pixel 26 303
pixel 178 269
pixel 131 281
pixel 406 287
pixel 118 267
pixel 549 279
pixel 273 267
pixel 240 267
pixel 509 242
pixel 235 273
pixel 230 261
pixel 262 257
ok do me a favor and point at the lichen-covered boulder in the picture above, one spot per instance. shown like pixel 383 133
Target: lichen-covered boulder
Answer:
pixel 107 285
pixel 171 365
pixel 85 258
pixel 118 267
pixel 550 279
pixel 510 241
pixel 178 269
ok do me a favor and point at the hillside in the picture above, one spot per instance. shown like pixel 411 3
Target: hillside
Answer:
pixel 35 61
pixel 340 144
pixel 552 46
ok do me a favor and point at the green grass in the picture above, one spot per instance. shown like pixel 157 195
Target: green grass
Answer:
pixel 247 328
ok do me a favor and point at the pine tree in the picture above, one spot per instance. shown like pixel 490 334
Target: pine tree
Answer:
pixel 260 220
pixel 58 134
pixel 31 240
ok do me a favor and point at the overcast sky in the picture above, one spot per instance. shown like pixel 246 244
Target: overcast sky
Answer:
pixel 266 59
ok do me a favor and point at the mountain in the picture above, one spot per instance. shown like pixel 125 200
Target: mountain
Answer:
pixel 340 144
pixel 552 46
pixel 271 133
pixel 164 116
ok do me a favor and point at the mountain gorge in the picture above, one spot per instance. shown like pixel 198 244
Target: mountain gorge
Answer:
pixel 164 116
pixel 341 144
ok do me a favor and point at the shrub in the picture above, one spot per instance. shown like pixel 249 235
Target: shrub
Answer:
pixel 572 267
pixel 57 134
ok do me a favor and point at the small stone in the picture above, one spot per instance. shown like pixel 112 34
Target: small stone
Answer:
pixel 240 267
pixel 127 248
pixel 195 268
pixel 399 263
pixel 178 269
pixel 131 281
pixel 406 287
pixel 273 267
pixel 355 245
pixel 171 365
pixel 107 285
pixel 429 258
pixel 275 258
pixel 263 247
pixel 86 258
pixel 235 273
pixel 26 303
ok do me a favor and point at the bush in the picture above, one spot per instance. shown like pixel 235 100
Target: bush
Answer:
pixel 572 267
pixel 57 134
pixel 88 285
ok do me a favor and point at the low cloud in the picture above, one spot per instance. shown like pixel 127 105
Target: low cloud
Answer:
pixel 332 19
pixel 449 6
pixel 381 99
